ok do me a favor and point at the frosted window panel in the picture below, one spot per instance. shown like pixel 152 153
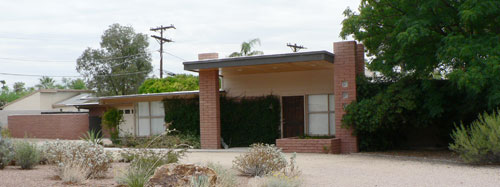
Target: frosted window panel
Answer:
pixel 157 125
pixel 332 102
pixel 332 124
pixel 144 127
pixel 318 124
pixel 317 103
pixel 157 109
pixel 143 108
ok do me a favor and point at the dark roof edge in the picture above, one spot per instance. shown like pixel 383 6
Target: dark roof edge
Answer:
pixel 260 60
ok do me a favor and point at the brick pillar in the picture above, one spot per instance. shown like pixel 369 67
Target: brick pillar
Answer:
pixel 360 59
pixel 209 105
pixel 347 64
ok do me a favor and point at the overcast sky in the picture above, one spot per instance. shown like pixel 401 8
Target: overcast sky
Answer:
pixel 54 33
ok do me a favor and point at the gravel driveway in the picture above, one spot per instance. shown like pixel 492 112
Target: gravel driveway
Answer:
pixel 365 170
pixel 317 170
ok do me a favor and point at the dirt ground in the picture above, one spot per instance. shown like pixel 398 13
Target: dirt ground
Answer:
pixel 317 170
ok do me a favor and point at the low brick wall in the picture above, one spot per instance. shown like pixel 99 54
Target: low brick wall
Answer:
pixel 49 126
pixel 290 145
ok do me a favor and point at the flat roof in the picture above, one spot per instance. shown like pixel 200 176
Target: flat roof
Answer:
pixel 259 60
pixel 150 95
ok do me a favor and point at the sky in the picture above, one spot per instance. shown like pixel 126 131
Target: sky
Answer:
pixel 46 37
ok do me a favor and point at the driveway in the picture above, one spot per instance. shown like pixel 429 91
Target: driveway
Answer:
pixel 366 170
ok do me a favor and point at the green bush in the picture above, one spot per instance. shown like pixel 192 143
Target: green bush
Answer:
pixel 5 132
pixel 243 120
pixel 479 143
pixel 27 154
pixel 170 140
pixel 6 152
pixel 181 82
pixel 112 118
pixel 386 110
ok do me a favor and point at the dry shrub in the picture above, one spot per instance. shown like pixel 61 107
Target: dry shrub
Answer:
pixel 6 152
pixel 27 155
pixel 72 172
pixel 225 177
pixel 87 154
pixel 262 159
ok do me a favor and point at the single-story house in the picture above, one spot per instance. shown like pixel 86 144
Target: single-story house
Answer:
pixel 314 88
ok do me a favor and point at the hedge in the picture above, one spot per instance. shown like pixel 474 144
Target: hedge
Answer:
pixel 244 120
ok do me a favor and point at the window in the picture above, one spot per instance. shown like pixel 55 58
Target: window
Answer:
pixel 321 114
pixel 150 118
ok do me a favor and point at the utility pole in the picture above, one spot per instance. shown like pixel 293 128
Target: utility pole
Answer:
pixel 295 47
pixel 161 40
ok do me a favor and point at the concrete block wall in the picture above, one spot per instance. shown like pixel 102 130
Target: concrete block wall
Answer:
pixel 49 126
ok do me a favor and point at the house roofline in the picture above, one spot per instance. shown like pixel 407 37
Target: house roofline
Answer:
pixel 259 60
pixel 44 91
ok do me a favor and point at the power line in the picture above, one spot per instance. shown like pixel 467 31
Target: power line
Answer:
pixel 101 59
pixel 35 75
pixel 174 56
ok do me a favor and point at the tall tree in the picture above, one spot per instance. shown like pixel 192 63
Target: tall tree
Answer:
pixel 121 64
pixel 19 87
pixel 458 39
pixel 76 84
pixel 46 83
pixel 246 49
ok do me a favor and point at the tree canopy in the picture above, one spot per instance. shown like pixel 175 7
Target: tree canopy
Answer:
pixel 120 65
pixel 181 82
pixel 246 49
pixel 458 39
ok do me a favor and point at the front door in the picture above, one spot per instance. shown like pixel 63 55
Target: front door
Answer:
pixel 293 116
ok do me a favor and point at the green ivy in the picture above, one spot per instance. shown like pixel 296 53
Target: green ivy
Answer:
pixel 243 120
pixel 112 118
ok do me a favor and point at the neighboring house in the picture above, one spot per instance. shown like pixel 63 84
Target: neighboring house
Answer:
pixel 43 100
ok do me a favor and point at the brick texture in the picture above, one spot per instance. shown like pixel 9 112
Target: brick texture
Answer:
pixel 348 62
pixel 209 106
pixel 49 126
pixel 290 145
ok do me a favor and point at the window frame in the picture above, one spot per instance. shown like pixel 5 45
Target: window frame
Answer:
pixel 330 111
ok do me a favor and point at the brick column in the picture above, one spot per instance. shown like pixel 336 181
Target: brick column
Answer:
pixel 348 62
pixel 209 105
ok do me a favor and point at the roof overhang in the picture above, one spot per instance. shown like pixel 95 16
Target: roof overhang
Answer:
pixel 260 60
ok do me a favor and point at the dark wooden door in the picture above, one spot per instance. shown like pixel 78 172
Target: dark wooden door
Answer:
pixel 293 116
pixel 95 124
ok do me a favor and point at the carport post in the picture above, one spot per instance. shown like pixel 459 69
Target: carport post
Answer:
pixel 209 105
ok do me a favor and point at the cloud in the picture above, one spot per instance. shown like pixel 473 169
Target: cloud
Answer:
pixel 61 29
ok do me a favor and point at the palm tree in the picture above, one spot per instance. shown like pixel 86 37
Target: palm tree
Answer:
pixel 246 49
pixel 46 83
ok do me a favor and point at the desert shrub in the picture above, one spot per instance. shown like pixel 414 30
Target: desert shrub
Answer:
pixel 72 172
pixel 199 181
pixel 225 177
pixel 92 137
pixel 27 154
pixel 143 164
pixel 480 143
pixel 167 140
pixel 91 155
pixel 6 152
pixel 5 132
pixel 112 119
pixel 136 176
pixel 262 159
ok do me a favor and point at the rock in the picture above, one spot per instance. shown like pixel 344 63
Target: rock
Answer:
pixel 175 175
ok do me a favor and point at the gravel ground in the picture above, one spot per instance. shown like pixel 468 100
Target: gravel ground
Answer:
pixel 367 170
pixel 317 170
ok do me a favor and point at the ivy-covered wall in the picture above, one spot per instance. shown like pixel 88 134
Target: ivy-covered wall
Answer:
pixel 243 120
